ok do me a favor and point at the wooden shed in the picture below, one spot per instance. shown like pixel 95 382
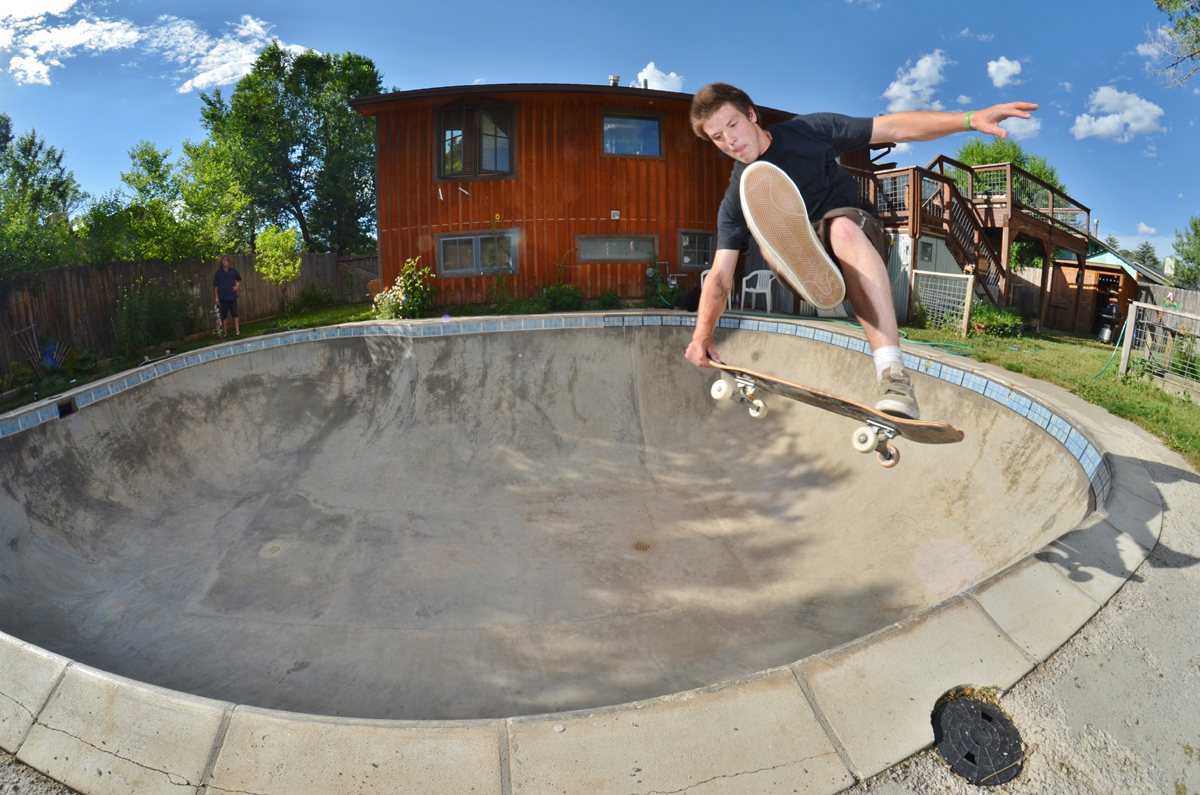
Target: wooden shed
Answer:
pixel 572 183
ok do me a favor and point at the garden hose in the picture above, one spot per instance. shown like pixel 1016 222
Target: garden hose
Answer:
pixel 1116 345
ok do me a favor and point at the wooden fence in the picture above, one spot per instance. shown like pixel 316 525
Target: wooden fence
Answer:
pixel 1156 295
pixel 77 305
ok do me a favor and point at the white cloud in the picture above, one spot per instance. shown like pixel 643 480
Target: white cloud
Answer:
pixel 33 9
pixel 28 69
pixel 1066 86
pixel 1003 72
pixel 913 87
pixel 1022 129
pixel 966 33
pixel 478 81
pixel 659 80
pixel 963 99
pixel 204 61
pixel 1146 231
pixel 99 36
pixel 1122 115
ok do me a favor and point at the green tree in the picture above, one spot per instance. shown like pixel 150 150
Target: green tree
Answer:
pixel 36 193
pixel 1146 255
pixel 277 259
pixel 301 154
pixel 1187 252
pixel 1177 47
pixel 982 151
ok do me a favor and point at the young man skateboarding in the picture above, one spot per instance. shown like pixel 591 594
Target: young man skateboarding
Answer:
pixel 820 242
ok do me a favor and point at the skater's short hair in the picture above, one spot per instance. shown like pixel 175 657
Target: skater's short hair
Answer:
pixel 711 98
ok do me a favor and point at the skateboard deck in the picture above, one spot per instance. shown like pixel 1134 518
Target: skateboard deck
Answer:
pixel 874 435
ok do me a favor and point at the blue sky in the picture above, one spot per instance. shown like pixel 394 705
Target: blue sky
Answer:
pixel 96 76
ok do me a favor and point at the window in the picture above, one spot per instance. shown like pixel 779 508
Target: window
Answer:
pixel 695 249
pixel 926 251
pixel 603 248
pixel 632 135
pixel 475 141
pixel 477 253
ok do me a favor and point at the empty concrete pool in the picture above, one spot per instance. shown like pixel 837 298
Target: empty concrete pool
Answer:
pixel 509 522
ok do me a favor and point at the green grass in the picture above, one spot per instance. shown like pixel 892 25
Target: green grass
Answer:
pixel 1074 363
pixel 1077 364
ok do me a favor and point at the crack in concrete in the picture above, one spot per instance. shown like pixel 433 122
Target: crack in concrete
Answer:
pixel 18 703
pixel 172 778
pixel 729 775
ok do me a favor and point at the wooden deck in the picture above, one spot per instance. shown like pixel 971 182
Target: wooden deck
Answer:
pixel 979 211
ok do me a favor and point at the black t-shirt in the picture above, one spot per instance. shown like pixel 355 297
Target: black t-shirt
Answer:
pixel 224 280
pixel 806 148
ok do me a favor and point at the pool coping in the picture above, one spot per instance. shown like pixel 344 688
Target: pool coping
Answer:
pixel 819 723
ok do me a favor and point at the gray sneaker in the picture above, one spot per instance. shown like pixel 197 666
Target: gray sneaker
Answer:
pixel 778 219
pixel 898 397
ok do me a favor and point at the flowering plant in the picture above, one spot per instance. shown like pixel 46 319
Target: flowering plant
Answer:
pixel 410 297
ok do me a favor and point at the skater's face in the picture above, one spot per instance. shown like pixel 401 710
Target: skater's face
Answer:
pixel 736 134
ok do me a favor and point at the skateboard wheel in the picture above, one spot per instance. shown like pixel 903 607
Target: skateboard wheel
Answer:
pixel 758 409
pixel 864 440
pixel 892 459
pixel 721 389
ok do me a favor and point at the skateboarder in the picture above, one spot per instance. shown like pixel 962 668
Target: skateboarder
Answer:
pixel 226 283
pixel 805 147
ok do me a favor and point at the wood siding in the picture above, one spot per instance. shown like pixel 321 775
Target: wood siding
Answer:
pixel 563 186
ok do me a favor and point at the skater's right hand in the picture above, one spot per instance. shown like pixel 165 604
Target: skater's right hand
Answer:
pixel 701 350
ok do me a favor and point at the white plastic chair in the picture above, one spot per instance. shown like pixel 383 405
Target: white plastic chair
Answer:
pixel 728 295
pixel 758 283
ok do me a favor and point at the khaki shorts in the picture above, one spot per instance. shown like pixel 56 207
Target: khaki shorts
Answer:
pixel 865 221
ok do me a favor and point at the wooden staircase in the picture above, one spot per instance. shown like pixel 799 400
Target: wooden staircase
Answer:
pixel 977 211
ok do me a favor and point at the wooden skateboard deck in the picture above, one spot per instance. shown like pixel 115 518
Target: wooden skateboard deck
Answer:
pixel 875 434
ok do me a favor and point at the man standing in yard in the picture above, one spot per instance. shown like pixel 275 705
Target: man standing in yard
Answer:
pixel 226 283
pixel 819 242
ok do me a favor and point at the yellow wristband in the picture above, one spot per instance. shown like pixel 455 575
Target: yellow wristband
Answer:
pixel 969 119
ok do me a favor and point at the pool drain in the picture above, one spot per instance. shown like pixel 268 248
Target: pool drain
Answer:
pixel 274 549
pixel 641 546
pixel 978 741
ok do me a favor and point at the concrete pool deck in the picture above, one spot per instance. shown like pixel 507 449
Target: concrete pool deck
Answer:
pixel 815 725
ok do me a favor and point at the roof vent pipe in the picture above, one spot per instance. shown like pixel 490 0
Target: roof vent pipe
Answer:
pixel 645 82
pixel 614 80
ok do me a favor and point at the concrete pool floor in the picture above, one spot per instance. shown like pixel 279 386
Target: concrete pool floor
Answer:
pixel 688 741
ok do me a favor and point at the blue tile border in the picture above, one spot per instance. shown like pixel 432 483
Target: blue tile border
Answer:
pixel 1089 458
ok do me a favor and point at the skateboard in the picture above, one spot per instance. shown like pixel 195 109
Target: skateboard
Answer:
pixel 875 435
pixel 217 317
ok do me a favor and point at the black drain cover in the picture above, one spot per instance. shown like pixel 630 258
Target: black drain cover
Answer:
pixel 978 741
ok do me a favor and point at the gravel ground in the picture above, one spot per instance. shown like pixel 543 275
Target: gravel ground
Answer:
pixel 17 779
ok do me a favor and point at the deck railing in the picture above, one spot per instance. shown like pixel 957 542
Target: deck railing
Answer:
pixel 1003 184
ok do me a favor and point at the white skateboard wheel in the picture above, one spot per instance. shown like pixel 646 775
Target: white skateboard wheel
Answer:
pixel 892 459
pixel 864 440
pixel 758 409
pixel 721 389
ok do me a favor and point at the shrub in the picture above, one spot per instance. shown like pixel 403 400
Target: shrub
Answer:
pixel 995 321
pixel 609 300
pixel 150 314
pixel 410 297
pixel 313 297
pixel 562 298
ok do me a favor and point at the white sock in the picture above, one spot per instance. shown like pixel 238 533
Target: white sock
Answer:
pixel 885 357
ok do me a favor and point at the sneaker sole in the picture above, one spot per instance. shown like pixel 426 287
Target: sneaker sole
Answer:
pixel 778 219
pixel 896 409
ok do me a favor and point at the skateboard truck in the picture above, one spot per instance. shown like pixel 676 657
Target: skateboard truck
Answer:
pixel 745 393
pixel 875 436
